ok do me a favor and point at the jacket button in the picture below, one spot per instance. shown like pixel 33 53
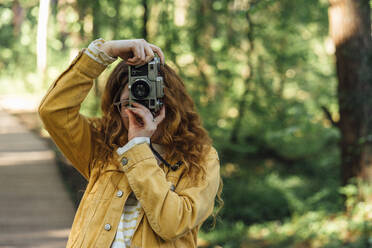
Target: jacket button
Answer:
pixel 107 227
pixel 124 161
pixel 172 187
pixel 119 193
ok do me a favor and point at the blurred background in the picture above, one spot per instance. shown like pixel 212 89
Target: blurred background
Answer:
pixel 283 87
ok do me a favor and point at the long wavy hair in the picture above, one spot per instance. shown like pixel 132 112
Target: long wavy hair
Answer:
pixel 181 132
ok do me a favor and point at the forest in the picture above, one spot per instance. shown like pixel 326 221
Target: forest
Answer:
pixel 283 87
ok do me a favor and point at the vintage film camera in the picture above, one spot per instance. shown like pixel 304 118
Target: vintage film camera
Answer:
pixel 146 86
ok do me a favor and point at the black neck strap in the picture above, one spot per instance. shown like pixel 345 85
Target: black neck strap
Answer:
pixel 173 167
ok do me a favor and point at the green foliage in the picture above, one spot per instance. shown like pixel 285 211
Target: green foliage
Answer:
pixel 311 229
pixel 260 73
pixel 251 200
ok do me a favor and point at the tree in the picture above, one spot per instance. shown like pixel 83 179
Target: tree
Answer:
pixel 42 37
pixel 18 17
pixel 350 28
pixel 145 18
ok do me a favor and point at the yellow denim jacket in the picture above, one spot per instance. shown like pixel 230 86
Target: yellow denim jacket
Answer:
pixel 173 206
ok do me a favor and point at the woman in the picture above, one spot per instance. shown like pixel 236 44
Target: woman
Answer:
pixel 133 199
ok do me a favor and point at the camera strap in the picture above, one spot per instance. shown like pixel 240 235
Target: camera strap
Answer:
pixel 173 167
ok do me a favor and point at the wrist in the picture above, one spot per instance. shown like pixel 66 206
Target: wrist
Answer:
pixel 107 48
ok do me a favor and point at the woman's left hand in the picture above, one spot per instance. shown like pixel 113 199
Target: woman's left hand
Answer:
pixel 149 124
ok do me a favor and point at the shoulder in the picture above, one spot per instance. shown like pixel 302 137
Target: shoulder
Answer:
pixel 212 163
pixel 211 154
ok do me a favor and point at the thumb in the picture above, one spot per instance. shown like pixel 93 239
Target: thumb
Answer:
pixel 130 116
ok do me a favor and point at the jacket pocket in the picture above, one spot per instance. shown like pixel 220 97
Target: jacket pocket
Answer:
pixel 100 189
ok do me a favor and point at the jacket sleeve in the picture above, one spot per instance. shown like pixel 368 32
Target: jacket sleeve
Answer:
pixel 59 111
pixel 170 214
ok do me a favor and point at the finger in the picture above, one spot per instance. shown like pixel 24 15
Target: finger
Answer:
pixel 142 52
pixel 161 116
pixel 141 114
pixel 159 52
pixel 133 61
pixel 138 105
pixel 132 118
pixel 130 62
pixel 149 53
pixel 136 55
pixel 138 118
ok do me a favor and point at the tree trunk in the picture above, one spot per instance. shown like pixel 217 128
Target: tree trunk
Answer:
pixel 96 9
pixel 62 23
pixel 350 28
pixel 41 42
pixel 18 17
pixel 243 100
pixel 116 24
pixel 145 19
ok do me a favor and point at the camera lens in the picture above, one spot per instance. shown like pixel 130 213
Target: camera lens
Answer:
pixel 140 89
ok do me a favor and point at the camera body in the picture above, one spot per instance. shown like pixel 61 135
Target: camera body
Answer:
pixel 146 86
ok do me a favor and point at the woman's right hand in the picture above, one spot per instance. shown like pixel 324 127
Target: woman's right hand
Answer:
pixel 133 52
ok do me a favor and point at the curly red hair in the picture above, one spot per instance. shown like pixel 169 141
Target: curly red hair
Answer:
pixel 182 134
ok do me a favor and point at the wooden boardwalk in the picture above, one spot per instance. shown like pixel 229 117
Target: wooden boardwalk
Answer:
pixel 35 209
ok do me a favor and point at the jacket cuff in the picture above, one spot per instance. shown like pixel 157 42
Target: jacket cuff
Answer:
pixel 89 66
pixel 136 154
pixel 135 141
pixel 94 51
